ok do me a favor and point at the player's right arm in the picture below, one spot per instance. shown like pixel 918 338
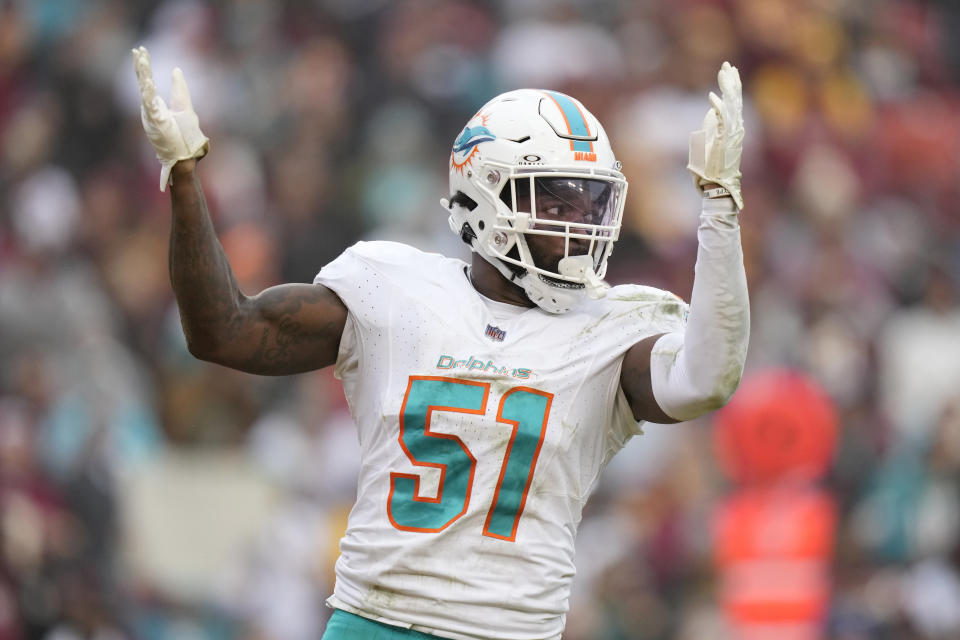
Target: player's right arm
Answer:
pixel 283 330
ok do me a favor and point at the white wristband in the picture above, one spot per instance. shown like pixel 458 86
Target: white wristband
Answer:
pixel 717 192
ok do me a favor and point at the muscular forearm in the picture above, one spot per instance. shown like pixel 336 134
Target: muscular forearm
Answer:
pixel 203 282
pixel 698 371
pixel 283 330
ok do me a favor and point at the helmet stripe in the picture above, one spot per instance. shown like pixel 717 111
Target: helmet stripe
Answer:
pixel 573 117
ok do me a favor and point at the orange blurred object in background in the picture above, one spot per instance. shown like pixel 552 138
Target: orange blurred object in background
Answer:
pixel 773 549
pixel 774 535
pixel 779 425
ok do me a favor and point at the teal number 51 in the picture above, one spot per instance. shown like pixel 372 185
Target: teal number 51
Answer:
pixel 525 408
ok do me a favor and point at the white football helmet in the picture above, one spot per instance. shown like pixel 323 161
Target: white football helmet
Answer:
pixel 536 163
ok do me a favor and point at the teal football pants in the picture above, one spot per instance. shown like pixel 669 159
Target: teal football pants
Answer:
pixel 347 626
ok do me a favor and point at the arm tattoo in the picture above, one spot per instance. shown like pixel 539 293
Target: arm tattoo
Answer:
pixel 287 338
pixel 203 282
pixel 284 330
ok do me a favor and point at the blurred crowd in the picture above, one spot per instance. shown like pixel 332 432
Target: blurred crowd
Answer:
pixel 146 495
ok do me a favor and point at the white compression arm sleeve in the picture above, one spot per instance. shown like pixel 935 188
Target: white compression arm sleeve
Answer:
pixel 698 370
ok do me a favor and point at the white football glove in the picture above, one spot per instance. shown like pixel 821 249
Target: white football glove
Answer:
pixel 173 131
pixel 715 150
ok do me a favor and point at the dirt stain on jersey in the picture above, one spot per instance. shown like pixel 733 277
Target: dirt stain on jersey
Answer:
pixel 667 304
pixel 380 598
pixel 590 327
pixel 670 309
pixel 568 432
pixel 639 296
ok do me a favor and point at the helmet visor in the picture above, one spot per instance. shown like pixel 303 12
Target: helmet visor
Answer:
pixel 577 200
pixel 565 201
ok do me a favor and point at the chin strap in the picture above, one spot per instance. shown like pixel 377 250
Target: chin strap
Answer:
pixel 582 267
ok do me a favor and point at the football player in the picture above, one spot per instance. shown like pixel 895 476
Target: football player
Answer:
pixel 489 396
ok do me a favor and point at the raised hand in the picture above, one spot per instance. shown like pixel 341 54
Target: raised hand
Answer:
pixel 173 131
pixel 715 150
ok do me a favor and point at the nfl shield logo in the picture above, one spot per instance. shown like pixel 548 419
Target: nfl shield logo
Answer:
pixel 495 333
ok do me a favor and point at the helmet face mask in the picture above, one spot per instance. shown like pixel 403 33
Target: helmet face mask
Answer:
pixel 583 212
pixel 547 189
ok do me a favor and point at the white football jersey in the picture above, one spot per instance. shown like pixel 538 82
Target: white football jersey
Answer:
pixel 483 429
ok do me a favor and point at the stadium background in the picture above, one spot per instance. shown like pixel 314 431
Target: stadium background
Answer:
pixel 152 496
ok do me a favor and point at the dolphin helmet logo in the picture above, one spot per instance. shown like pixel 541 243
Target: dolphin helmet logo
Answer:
pixel 465 146
pixel 471 137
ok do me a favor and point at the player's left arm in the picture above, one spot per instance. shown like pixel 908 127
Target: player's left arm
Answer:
pixel 678 376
